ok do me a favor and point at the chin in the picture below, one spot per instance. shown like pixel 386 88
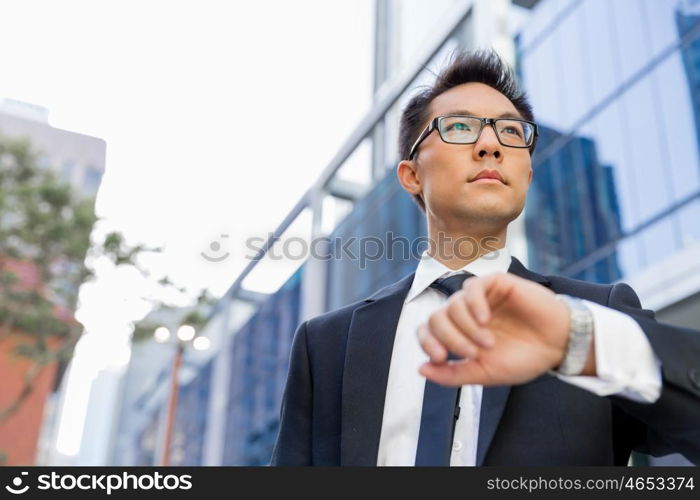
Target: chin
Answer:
pixel 488 208
pixel 488 212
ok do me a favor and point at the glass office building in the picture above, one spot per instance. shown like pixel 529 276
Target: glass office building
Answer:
pixel 617 179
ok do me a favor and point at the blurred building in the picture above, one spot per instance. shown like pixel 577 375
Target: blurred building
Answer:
pixel 76 158
pixel 138 432
pixel 20 432
pixel 572 209
pixel 136 438
pixel 28 436
pixel 145 381
pixel 615 195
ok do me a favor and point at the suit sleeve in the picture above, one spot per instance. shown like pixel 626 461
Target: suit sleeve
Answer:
pixel 625 361
pixel 293 445
pixel 672 423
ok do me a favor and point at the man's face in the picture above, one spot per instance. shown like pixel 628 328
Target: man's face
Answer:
pixel 448 173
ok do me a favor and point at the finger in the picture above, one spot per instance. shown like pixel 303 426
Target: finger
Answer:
pixel 462 316
pixel 434 349
pixel 446 333
pixel 475 296
pixel 497 287
pixel 455 373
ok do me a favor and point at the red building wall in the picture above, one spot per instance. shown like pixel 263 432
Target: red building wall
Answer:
pixel 19 434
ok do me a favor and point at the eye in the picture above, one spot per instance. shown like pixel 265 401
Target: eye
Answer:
pixel 459 126
pixel 512 130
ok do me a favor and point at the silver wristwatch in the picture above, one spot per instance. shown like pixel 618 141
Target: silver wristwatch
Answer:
pixel 580 335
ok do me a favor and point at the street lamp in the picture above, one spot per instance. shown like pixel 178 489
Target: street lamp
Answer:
pixel 185 335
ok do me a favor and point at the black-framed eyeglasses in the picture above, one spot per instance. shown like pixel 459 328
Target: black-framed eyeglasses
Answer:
pixel 465 129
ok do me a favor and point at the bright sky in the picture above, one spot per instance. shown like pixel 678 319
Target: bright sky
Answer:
pixel 217 117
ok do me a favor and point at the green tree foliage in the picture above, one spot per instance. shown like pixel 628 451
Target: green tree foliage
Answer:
pixel 45 237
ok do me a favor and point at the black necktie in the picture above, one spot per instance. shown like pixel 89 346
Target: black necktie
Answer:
pixel 440 403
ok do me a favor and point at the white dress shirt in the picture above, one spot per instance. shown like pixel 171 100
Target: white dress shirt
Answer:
pixel 625 363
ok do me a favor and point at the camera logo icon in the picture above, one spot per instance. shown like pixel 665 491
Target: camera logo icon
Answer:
pixel 17 483
pixel 215 246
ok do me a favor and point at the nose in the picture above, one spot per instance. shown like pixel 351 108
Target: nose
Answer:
pixel 487 144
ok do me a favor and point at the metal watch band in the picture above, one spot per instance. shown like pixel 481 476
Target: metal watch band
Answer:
pixel 580 335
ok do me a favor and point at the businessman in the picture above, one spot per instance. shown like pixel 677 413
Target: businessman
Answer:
pixel 473 359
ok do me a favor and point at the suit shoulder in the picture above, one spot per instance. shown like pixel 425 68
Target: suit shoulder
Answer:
pixel 620 295
pixel 595 292
pixel 329 318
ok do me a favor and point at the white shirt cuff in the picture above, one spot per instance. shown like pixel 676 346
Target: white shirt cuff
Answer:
pixel 625 362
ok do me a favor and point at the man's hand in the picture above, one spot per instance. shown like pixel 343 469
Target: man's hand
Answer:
pixel 510 330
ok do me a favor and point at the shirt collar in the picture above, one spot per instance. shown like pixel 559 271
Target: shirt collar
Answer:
pixel 430 269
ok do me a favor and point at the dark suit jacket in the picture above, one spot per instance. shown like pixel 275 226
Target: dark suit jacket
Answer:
pixel 334 399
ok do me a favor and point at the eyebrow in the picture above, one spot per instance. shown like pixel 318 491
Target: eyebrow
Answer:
pixel 507 114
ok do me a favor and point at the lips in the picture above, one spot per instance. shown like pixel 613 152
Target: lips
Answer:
pixel 489 175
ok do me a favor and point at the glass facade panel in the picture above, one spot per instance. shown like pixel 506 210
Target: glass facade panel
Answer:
pixel 660 239
pixel 190 419
pixel 599 42
pixel 660 21
pixel 618 156
pixel 645 163
pixel 629 38
pixel 677 119
pixel 387 220
pixel 631 256
pixel 545 99
pixel 615 151
pixel 689 217
pixel 545 16
pixel 146 442
pixel 260 360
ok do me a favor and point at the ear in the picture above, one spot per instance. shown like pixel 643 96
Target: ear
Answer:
pixel 407 172
pixel 529 177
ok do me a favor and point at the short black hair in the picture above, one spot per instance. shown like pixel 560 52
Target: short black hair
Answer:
pixel 480 66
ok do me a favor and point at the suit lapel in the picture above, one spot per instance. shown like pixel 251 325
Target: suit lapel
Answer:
pixel 366 371
pixel 494 398
pixel 517 268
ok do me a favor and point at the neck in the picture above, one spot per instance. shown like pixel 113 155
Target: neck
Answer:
pixel 456 247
